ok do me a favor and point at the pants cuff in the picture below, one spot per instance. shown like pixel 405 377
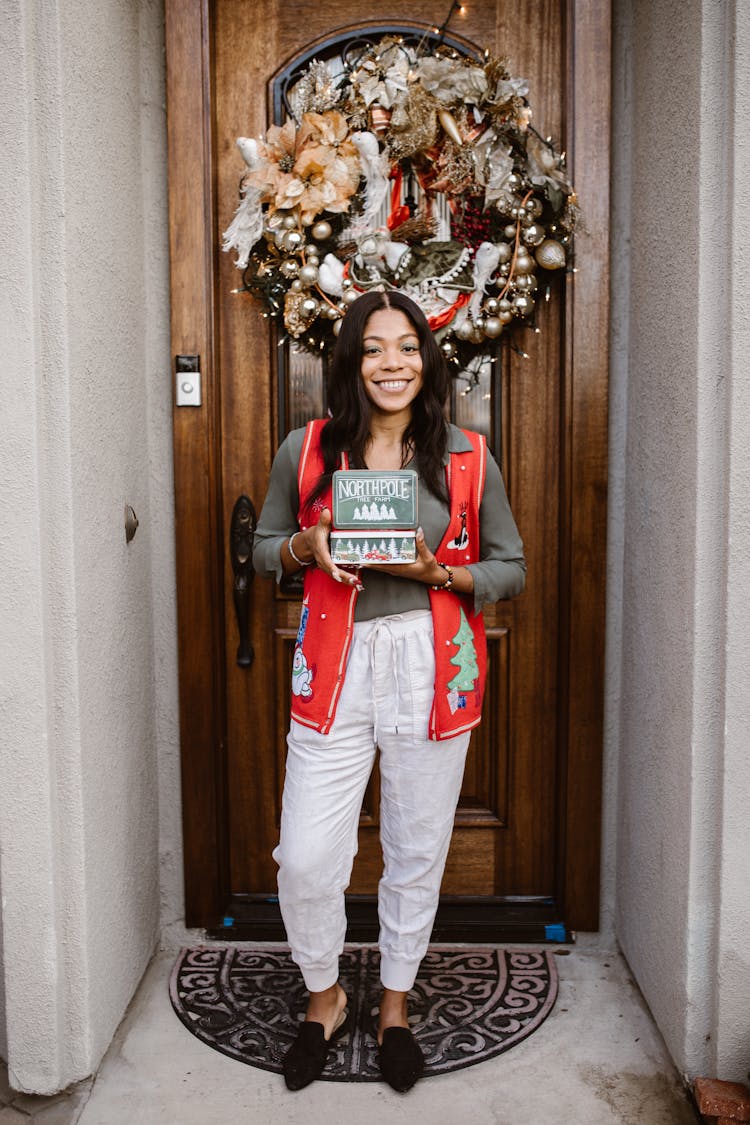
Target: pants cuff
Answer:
pixel 397 975
pixel 319 979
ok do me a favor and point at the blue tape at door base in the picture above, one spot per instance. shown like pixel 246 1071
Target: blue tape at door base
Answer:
pixel 555 932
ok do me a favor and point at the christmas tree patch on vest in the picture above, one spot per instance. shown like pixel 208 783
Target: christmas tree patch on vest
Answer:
pixel 465 660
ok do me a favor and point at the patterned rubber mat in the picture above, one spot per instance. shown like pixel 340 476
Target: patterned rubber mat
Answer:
pixel 467 1005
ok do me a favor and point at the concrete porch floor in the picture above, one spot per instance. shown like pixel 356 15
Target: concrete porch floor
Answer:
pixel 597 1060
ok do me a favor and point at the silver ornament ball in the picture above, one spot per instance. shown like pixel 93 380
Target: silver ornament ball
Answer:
pixel 308 275
pixel 289 267
pixel 533 234
pixel 523 305
pixel 321 231
pixel 493 326
pixel 293 241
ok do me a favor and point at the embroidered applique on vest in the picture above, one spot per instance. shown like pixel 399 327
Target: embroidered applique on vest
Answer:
pixel 327 620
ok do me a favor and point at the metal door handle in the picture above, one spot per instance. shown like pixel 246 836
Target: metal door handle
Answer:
pixel 241 534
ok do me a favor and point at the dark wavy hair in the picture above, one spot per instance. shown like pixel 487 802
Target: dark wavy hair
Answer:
pixel 349 425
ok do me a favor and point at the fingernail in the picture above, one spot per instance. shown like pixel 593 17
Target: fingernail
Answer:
pixel 420 532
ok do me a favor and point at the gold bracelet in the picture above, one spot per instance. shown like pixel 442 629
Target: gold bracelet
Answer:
pixel 445 585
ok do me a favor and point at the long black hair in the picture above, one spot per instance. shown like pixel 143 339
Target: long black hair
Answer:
pixel 349 425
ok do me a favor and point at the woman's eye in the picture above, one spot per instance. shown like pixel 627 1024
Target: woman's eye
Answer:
pixel 411 348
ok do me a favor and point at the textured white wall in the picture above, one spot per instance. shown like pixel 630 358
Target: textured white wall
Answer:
pixel 680 848
pixel 3 1029
pixel 87 665
pixel 732 1039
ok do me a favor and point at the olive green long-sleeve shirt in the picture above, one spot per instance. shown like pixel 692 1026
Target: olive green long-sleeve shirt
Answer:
pixel 500 572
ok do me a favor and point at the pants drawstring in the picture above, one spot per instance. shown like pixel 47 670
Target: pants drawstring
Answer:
pixel 382 631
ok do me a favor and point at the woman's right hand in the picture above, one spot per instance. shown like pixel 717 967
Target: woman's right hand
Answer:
pixel 311 545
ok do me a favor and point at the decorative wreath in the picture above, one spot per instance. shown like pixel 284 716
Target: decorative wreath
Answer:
pixel 329 199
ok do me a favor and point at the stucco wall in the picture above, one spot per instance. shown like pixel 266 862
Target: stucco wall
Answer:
pixel 87 664
pixel 3 1031
pixel 732 1038
pixel 679 631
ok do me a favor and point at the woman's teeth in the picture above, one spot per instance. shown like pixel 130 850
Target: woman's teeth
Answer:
pixel 393 384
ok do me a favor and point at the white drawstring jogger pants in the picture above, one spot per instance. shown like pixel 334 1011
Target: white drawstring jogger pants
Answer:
pixel 386 702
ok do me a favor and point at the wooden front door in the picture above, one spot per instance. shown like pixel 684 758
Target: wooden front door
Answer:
pixel 525 852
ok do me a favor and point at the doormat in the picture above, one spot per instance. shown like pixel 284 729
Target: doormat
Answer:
pixel 467 1005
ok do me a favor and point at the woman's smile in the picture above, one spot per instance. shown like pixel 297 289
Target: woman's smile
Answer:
pixel 393 384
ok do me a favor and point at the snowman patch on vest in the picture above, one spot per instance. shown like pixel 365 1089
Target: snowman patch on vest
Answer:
pixel 302 676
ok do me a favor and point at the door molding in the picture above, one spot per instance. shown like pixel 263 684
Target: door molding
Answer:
pixel 194 242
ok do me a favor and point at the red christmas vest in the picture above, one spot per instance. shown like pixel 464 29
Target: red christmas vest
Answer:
pixel 327 620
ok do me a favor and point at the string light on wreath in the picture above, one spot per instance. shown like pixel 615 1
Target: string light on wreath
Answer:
pixel 415 169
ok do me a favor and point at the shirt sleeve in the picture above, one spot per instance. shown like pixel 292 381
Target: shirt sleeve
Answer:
pixel 278 517
pixel 501 570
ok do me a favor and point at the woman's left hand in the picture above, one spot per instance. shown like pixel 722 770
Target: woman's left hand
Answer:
pixel 426 568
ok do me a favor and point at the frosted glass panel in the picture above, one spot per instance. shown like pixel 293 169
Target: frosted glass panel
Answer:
pixel 471 403
pixel 305 395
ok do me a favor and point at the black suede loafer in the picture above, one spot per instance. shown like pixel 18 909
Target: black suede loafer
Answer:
pixel 401 1059
pixel 307 1056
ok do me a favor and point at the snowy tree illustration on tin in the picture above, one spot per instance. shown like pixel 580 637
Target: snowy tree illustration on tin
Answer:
pixel 465 659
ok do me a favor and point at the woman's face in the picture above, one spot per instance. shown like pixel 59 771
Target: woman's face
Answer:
pixel 391 362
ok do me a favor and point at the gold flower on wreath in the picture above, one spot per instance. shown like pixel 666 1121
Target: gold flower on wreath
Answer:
pixel 307 169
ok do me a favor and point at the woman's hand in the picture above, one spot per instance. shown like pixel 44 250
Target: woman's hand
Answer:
pixel 311 546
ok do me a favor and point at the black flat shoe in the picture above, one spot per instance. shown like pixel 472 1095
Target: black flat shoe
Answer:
pixel 306 1058
pixel 401 1058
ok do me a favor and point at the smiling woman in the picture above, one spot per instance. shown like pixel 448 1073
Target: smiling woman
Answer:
pixel 391 370
pixel 395 660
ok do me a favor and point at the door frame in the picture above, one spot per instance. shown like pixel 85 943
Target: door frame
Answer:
pixel 194 236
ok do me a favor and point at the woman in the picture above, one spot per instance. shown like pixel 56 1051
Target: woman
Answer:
pixel 391 656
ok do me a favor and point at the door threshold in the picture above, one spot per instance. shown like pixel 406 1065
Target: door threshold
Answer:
pixel 504 919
